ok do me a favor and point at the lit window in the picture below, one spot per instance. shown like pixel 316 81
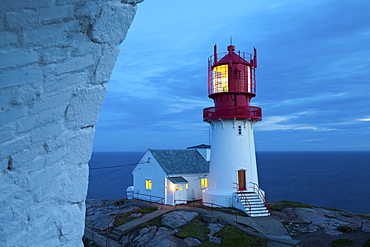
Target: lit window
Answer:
pixel 220 78
pixel 204 182
pixel 180 187
pixel 187 186
pixel 148 184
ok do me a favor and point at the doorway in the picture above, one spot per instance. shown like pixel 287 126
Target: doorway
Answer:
pixel 180 194
pixel 242 180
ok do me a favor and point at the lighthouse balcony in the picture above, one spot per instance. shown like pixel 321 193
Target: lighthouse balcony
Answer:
pixel 232 112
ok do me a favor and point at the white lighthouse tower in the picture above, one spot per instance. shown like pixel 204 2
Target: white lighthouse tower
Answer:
pixel 233 178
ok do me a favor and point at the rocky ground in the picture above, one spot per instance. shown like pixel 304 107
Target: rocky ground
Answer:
pixel 319 227
pixel 314 227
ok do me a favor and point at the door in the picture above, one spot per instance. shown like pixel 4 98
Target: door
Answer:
pixel 180 194
pixel 241 180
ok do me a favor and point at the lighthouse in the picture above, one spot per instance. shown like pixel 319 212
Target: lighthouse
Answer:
pixel 233 177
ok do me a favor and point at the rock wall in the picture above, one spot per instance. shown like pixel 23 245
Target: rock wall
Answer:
pixel 55 59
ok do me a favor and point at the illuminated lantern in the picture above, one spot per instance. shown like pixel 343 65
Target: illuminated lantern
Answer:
pixel 233 174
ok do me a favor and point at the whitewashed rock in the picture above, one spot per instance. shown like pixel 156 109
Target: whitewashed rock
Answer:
pixel 55 59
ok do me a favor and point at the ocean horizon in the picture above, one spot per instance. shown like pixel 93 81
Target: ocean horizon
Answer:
pixel 332 179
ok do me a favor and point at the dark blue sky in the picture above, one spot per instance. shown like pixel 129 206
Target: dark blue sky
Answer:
pixel 313 75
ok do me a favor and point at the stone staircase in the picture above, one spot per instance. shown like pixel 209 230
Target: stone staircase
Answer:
pixel 116 234
pixel 253 205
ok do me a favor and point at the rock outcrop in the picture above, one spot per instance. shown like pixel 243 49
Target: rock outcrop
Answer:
pixel 306 220
pixel 178 218
pixel 158 236
pixel 55 59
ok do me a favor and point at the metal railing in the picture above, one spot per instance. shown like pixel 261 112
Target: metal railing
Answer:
pixel 243 198
pixel 201 204
pixel 160 200
pixel 260 194
pixel 232 112
pixel 94 234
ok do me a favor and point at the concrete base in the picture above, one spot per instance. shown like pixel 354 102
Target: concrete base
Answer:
pixel 214 198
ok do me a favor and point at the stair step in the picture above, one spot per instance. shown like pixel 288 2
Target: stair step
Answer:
pixel 251 200
pixel 259 210
pixel 259 215
pixel 259 205
pixel 116 234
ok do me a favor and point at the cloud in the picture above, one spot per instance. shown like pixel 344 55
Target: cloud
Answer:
pixel 367 119
pixel 277 123
pixel 312 140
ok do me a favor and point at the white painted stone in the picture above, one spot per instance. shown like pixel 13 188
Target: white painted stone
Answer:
pixel 55 59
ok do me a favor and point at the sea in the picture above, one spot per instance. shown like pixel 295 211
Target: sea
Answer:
pixel 338 180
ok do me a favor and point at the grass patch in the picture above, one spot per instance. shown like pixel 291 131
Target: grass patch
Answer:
pixel 124 218
pixel 196 229
pixel 295 204
pixel 208 244
pixel 344 228
pixel 290 204
pixel 367 217
pixel 341 242
pixel 232 236
pixel 157 221
pixel 367 243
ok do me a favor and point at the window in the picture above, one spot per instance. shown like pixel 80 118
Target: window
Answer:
pixel 239 130
pixel 204 182
pixel 220 78
pixel 148 184
pixel 187 186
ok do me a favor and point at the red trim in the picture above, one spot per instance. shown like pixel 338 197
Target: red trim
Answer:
pixel 232 112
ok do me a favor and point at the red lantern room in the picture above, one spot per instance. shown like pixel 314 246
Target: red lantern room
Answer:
pixel 232 84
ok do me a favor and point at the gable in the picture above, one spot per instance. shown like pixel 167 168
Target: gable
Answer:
pixel 181 161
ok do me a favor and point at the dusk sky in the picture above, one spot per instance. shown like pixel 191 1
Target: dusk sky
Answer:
pixel 313 75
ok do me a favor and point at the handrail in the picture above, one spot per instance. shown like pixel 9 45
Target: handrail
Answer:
pixel 257 189
pixel 260 195
pixel 150 197
pixel 212 205
pixel 243 197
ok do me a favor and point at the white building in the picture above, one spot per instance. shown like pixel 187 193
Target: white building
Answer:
pixel 171 176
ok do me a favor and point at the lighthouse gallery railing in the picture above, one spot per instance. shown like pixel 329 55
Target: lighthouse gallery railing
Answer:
pixel 233 112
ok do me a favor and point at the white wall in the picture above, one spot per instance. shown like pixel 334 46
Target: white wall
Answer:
pixel 194 186
pixel 230 153
pixel 151 170
pixel 55 58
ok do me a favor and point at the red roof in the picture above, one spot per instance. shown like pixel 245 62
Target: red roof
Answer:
pixel 235 58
